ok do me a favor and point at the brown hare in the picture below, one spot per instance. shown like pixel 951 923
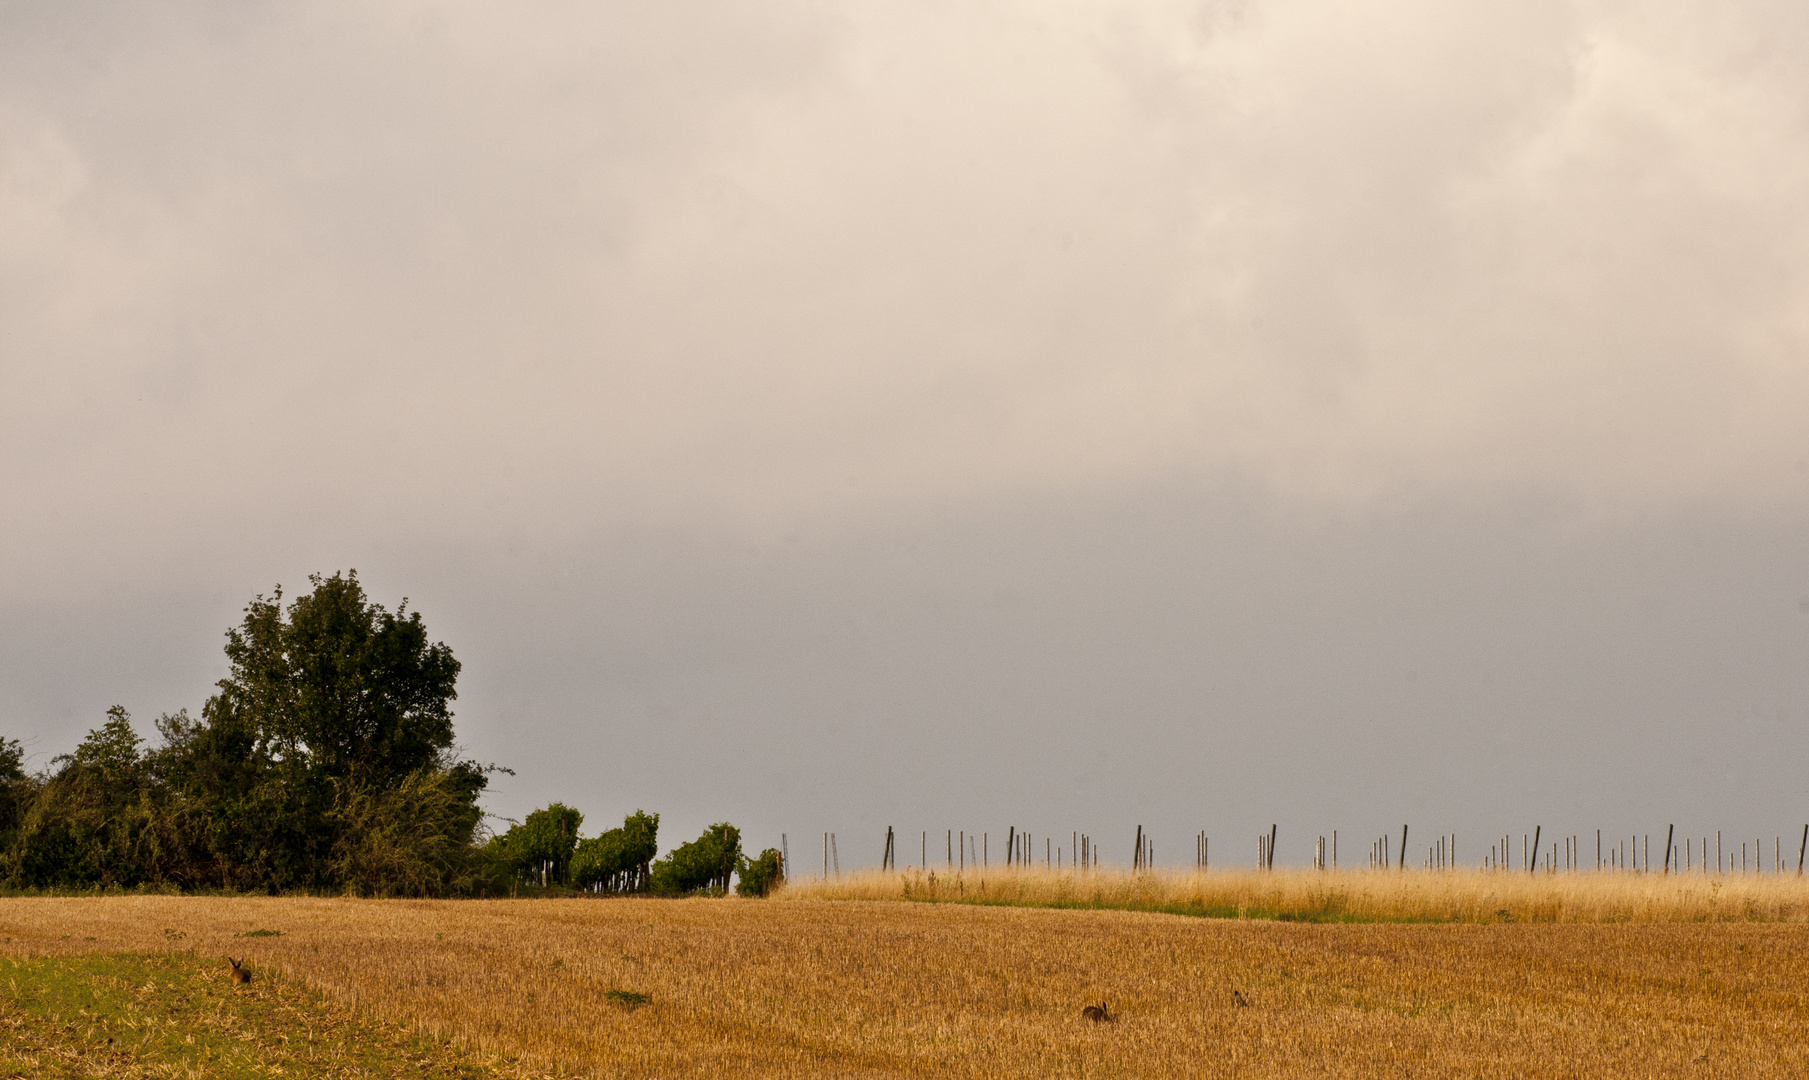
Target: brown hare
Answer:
pixel 240 973
pixel 1099 1014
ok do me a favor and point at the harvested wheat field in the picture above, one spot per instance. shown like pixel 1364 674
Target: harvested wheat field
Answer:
pixel 815 988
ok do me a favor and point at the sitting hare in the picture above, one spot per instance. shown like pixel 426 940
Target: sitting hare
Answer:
pixel 240 973
pixel 1099 1014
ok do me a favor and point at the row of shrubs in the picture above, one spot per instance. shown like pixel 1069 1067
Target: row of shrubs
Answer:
pixel 546 850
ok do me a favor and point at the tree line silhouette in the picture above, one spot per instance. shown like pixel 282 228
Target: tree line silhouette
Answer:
pixel 323 763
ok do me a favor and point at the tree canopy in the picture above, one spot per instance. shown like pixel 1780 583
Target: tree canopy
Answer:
pixel 339 685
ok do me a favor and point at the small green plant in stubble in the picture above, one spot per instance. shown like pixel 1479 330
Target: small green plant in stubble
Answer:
pixel 174 1014
pixel 627 999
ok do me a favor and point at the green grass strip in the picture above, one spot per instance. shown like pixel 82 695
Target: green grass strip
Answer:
pixel 154 1015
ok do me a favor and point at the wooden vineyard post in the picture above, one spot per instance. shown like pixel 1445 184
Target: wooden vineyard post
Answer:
pixel 1533 866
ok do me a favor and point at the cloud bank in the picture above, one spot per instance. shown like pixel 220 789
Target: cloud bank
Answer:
pixel 446 266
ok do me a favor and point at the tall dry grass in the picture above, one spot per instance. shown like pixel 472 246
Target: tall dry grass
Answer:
pixel 1463 896
pixel 812 988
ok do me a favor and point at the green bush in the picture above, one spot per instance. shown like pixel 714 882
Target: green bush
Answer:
pixel 760 876
pixel 412 839
pixel 703 865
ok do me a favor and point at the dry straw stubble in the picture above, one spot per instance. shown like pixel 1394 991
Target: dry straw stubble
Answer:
pixel 812 988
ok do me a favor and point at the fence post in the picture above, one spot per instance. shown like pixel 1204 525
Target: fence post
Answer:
pixel 1403 847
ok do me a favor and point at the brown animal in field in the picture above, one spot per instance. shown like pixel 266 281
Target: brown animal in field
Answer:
pixel 240 973
pixel 1238 999
pixel 1099 1014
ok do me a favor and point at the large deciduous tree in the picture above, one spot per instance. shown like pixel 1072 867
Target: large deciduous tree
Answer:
pixel 339 684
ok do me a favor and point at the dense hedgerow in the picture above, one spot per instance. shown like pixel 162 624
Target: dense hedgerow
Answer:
pixel 324 763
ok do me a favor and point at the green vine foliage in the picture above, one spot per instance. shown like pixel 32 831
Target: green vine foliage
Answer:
pixel 760 876
pixel 619 860
pixel 701 866
pixel 539 850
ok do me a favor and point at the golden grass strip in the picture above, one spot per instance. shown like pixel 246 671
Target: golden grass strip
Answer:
pixel 1461 896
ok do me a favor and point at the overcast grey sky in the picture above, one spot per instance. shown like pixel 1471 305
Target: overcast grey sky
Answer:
pixel 827 416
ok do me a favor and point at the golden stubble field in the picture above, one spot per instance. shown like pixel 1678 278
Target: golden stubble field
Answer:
pixel 818 988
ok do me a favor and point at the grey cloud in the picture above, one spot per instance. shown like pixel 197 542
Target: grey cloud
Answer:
pixel 776 260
